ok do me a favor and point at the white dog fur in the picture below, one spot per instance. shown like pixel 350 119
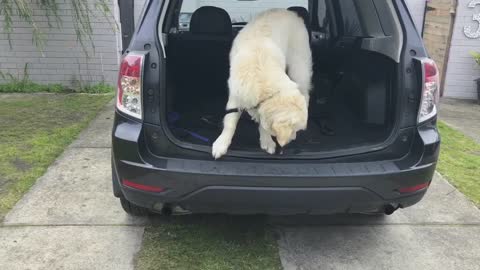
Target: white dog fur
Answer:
pixel 270 78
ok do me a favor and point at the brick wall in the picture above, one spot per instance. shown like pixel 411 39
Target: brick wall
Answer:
pixel 63 60
pixel 462 70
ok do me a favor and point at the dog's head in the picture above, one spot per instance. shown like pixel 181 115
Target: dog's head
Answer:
pixel 283 116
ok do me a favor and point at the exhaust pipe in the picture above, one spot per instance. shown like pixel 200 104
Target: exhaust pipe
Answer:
pixel 170 210
pixel 167 210
pixel 390 209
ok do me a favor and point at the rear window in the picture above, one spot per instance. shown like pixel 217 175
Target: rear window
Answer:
pixel 240 11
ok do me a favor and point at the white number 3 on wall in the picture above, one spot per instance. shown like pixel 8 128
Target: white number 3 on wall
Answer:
pixel 468 30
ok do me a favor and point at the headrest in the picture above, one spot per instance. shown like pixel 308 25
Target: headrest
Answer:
pixel 211 21
pixel 303 13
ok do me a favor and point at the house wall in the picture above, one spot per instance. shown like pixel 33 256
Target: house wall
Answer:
pixel 461 69
pixel 63 60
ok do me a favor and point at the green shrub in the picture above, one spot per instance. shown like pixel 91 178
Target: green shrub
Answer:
pixel 99 88
pixel 476 57
pixel 23 84
pixel 16 85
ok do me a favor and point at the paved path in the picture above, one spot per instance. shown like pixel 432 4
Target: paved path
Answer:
pixel 70 220
pixel 441 232
pixel 463 115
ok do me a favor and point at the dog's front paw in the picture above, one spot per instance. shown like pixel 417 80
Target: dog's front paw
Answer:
pixel 220 147
pixel 268 145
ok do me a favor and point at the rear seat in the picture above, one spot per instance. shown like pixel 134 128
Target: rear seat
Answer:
pixel 199 59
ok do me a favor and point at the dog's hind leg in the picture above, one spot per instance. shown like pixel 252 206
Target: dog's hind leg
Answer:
pixel 266 141
pixel 300 71
pixel 299 63
pixel 221 145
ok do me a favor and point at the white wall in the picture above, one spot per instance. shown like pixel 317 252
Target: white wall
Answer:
pixel 63 60
pixel 461 69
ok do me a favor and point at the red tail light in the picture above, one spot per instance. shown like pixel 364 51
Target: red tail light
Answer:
pixel 413 188
pixel 430 91
pixel 129 95
pixel 138 186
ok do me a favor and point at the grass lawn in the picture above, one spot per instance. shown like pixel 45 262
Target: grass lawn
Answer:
pixel 460 162
pixel 25 85
pixel 209 242
pixel 34 131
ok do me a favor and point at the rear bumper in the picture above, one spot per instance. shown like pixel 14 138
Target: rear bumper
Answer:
pixel 279 187
pixel 211 191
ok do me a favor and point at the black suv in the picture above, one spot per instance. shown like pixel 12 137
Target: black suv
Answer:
pixel 371 145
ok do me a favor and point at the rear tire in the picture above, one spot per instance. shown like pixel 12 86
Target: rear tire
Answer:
pixel 133 209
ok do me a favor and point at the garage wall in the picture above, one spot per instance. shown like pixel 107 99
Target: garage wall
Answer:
pixel 63 60
pixel 461 69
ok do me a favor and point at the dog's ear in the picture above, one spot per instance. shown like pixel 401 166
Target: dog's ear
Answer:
pixel 283 132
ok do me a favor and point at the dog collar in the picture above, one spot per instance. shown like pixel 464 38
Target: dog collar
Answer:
pixel 237 110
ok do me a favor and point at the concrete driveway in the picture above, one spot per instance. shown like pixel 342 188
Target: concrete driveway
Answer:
pixel 70 220
pixel 441 232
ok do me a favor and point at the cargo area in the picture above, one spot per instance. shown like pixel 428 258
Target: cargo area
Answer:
pixel 352 103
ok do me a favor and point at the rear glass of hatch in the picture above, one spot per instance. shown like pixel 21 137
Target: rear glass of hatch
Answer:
pixel 239 11
pixel 242 11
